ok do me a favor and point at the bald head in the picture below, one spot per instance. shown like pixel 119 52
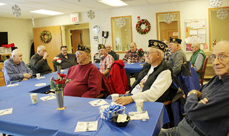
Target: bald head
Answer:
pixel 108 47
pixel 220 59
pixel 16 56
pixel 133 47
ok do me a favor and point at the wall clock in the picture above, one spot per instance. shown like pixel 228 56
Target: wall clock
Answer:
pixel 97 29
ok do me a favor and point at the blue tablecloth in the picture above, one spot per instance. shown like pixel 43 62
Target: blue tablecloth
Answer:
pixel 43 118
pixel 129 68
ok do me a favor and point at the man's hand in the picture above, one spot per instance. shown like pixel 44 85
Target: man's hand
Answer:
pixel 204 101
pixel 124 100
pixel 25 79
pixel 26 75
pixel 127 92
pixel 198 93
pixel 45 55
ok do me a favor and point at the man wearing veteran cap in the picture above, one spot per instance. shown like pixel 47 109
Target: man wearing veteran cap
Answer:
pixel 154 80
pixel 177 57
pixel 86 80
pixel 106 60
pixel 207 110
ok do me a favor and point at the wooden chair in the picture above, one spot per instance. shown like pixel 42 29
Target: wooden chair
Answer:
pixel 203 71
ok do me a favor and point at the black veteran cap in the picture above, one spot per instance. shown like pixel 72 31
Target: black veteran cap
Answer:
pixel 175 40
pixel 101 46
pixel 83 48
pixel 157 44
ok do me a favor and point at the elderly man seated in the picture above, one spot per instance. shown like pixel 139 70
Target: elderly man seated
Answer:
pixel 106 60
pixel 197 58
pixel 112 53
pixel 132 54
pixel 38 62
pixel 86 79
pixel 208 109
pixel 14 69
pixel 177 57
pixel 154 80
pixel 68 59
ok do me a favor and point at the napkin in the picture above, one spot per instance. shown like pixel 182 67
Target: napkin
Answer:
pixel 12 85
pixel 42 77
pixel 62 70
pixel 41 84
pixel 6 111
pixel 46 98
pixel 98 102
pixel 86 126
pixel 139 115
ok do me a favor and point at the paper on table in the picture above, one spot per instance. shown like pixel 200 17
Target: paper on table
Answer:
pixel 42 77
pixel 62 70
pixel 12 85
pixel 98 102
pixel 6 111
pixel 86 126
pixel 46 98
pixel 138 115
pixel 41 84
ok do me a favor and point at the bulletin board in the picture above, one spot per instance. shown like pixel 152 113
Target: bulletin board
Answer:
pixel 195 32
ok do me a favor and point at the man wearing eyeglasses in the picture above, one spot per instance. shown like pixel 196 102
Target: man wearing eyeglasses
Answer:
pixel 86 79
pixel 207 110
pixel 177 57
pixel 68 59
pixel 154 80
pixel 106 60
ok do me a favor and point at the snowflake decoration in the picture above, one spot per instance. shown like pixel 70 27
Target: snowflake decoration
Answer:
pixel 216 3
pixel 222 13
pixel 168 18
pixel 16 11
pixel 121 22
pixel 91 14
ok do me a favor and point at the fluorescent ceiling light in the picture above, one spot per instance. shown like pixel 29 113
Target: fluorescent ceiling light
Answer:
pixel 1 4
pixel 113 2
pixel 46 12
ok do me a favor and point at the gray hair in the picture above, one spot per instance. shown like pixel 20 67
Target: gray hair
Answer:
pixel 165 41
pixel 40 47
pixel 15 52
pixel 108 45
pixel 196 44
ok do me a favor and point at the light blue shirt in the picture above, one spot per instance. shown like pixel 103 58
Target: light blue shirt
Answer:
pixel 14 72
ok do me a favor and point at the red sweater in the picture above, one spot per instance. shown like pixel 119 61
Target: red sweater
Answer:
pixel 86 81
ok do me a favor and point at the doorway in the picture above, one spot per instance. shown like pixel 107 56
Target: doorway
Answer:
pixel 76 38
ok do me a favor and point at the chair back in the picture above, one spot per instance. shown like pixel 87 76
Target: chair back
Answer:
pixel 203 71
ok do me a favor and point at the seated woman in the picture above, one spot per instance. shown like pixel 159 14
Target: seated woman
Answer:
pixel 86 79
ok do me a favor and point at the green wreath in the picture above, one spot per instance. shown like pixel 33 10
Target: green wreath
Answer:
pixel 139 24
pixel 46 36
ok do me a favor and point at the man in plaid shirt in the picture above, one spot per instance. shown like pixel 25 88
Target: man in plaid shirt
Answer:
pixel 167 51
pixel 132 54
pixel 106 60
pixel 38 62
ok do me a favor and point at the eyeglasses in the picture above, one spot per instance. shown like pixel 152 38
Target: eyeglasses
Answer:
pixel 79 53
pixel 220 57
pixel 147 53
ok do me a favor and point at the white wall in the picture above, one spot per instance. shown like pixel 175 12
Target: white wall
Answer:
pixel 20 33
pixel 188 10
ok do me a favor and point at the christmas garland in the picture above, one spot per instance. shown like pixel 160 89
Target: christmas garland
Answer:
pixel 147 28
pixel 46 36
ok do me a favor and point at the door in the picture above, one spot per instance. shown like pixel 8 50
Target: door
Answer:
pixel 53 47
pixel 76 36
pixel 168 30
